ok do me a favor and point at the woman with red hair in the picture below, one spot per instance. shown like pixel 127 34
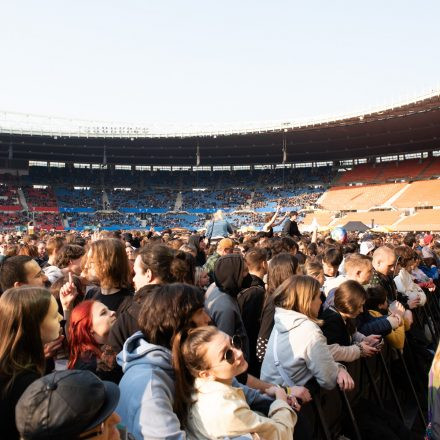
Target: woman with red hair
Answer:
pixel 89 326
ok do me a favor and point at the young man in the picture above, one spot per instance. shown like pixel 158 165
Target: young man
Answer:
pixel 290 226
pixel 19 271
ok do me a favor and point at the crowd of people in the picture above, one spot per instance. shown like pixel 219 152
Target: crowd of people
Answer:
pixel 226 335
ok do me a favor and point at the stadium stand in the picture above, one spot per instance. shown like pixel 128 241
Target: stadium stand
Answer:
pixel 423 193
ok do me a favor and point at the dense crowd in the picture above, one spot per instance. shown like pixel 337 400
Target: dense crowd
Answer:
pixel 226 335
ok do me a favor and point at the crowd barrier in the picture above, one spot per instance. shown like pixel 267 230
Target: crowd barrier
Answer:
pixel 392 385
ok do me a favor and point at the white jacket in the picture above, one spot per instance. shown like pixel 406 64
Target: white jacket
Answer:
pixel 408 287
pixel 221 411
pixel 302 351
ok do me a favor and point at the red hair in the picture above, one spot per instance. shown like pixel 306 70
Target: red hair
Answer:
pixel 80 333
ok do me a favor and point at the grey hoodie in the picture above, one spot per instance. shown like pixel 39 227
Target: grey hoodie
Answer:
pixel 147 391
pixel 302 351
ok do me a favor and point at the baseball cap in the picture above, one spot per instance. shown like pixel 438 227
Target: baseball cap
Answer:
pixel 427 239
pixel 366 247
pixel 225 243
pixel 64 404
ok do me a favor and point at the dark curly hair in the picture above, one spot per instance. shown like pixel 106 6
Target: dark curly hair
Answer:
pixel 167 310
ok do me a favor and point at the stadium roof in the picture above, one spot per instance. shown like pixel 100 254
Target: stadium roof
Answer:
pixel 406 128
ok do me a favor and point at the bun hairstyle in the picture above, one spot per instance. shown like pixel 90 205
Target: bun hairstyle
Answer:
pixel 166 264
pixel 188 361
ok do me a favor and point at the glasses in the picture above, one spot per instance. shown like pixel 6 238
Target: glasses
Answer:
pixel 229 355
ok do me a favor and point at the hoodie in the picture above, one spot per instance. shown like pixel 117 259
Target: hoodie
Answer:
pixel 302 352
pixel 221 298
pixel 147 391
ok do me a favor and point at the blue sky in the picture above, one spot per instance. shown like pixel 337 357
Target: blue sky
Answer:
pixel 214 61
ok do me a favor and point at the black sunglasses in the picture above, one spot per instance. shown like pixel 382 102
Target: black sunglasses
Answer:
pixel 229 355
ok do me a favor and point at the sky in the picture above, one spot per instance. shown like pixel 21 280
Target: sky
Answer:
pixel 203 61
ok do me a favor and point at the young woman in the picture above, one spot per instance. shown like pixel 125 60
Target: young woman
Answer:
pixel 404 280
pixel 107 265
pixel 297 340
pixel 155 265
pixel 205 362
pixel 345 343
pixel 280 267
pixel 270 221
pixel 89 326
pixel 29 318
pixel 201 278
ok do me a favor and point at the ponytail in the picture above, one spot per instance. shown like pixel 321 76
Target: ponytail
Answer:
pixel 188 361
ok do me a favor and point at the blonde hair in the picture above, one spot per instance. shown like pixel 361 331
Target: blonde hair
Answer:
pixel 297 293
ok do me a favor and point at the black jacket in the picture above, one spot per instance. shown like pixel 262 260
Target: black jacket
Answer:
pixel 127 322
pixel 335 329
pixel 291 228
pixel 251 301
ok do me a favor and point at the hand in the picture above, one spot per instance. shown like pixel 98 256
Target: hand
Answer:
pixel 51 348
pixel 414 302
pixel 394 320
pixel 301 393
pixel 68 293
pixel 291 400
pixel 397 308
pixel 372 340
pixel 344 380
pixel 368 350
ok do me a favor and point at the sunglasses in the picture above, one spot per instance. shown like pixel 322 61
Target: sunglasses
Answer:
pixel 229 355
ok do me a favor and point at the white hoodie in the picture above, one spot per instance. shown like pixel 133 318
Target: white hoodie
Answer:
pixel 302 351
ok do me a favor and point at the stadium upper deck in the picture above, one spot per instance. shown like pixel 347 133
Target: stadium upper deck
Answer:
pixel 408 128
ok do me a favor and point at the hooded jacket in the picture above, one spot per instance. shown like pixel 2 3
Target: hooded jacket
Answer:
pixel 302 352
pixel 408 287
pixel 221 298
pixel 147 391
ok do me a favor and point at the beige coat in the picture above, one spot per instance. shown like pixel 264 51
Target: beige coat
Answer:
pixel 221 411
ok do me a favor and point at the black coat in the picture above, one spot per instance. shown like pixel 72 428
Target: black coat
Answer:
pixel 251 301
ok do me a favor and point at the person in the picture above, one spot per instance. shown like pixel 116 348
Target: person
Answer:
pixel 231 276
pixel 331 260
pixel 290 226
pixel 53 245
pixel 155 265
pixel 428 244
pixel 107 265
pixel 89 326
pixel 147 386
pixel 19 271
pixel 384 262
pixel 280 267
pixel 205 362
pixel 297 342
pixel 404 281
pixel 198 243
pixel 224 247
pixel 358 268
pixel 49 409
pixel 29 318
pixel 219 227
pixel 251 300
pixel 42 255
pixel 346 344
pixel 270 222
pixel 68 259
pixel 201 278
pixel 377 305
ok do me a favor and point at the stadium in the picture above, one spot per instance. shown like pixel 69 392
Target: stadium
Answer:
pixel 376 170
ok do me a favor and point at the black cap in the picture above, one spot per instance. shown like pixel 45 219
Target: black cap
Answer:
pixel 65 404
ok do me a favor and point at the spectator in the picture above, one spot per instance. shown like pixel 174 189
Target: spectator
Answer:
pixel 29 318
pixel 49 409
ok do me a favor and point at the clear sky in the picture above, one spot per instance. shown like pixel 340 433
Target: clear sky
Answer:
pixel 200 61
